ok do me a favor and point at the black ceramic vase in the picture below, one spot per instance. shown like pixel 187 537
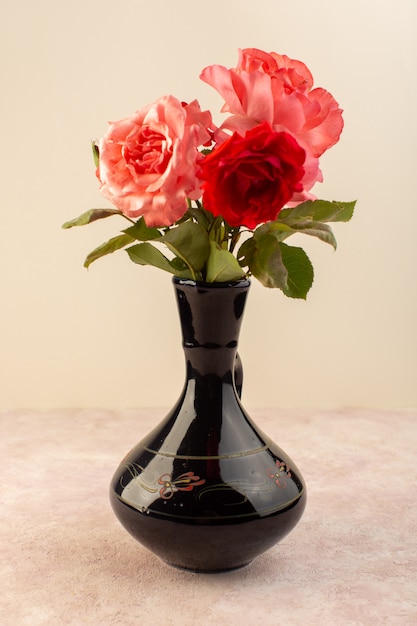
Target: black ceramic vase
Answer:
pixel 206 490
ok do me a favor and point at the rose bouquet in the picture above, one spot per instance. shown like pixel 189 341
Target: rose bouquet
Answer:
pixel 217 203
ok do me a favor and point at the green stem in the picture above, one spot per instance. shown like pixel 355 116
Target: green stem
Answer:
pixel 128 218
pixel 235 236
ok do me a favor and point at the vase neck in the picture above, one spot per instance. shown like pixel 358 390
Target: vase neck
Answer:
pixel 210 318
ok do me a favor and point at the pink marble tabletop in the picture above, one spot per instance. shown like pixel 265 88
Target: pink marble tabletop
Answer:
pixel 351 560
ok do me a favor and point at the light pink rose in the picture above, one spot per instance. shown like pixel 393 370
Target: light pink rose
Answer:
pixel 148 162
pixel 277 89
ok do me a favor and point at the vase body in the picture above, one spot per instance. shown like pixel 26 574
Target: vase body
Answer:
pixel 206 490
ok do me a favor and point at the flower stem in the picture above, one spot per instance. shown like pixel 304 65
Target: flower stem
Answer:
pixel 235 236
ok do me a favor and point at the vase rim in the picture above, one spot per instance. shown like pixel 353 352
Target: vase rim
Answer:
pixel 243 282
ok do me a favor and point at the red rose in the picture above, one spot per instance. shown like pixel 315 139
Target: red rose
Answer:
pixel 249 179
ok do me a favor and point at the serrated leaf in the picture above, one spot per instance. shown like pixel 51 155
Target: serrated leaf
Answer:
pixel 300 271
pixel 190 242
pixel 283 230
pixel 141 232
pixel 320 210
pixel 114 244
pixel 316 229
pixel 222 266
pixel 246 252
pixel 265 262
pixel 91 216
pixel 277 265
pixel 147 254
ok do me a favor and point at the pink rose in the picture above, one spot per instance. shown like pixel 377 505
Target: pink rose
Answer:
pixel 249 179
pixel 277 89
pixel 148 162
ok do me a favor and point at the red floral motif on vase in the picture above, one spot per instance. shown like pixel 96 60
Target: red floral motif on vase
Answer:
pixel 279 473
pixel 184 482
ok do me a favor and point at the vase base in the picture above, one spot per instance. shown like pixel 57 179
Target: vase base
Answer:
pixel 219 546
pixel 222 570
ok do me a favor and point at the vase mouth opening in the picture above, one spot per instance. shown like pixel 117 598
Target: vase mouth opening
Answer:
pixel 243 282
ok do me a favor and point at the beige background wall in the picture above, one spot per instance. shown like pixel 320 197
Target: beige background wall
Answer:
pixel 109 336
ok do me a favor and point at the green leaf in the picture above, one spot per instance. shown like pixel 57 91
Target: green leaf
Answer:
pixel 147 254
pixel 246 252
pixel 282 230
pixel 265 261
pixel 217 230
pixel 320 210
pixel 201 216
pixel 189 241
pixel 275 264
pixel 300 271
pixel 316 229
pixel 91 216
pixel 222 266
pixel 96 153
pixel 116 243
pixel 141 232
pixel 180 268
